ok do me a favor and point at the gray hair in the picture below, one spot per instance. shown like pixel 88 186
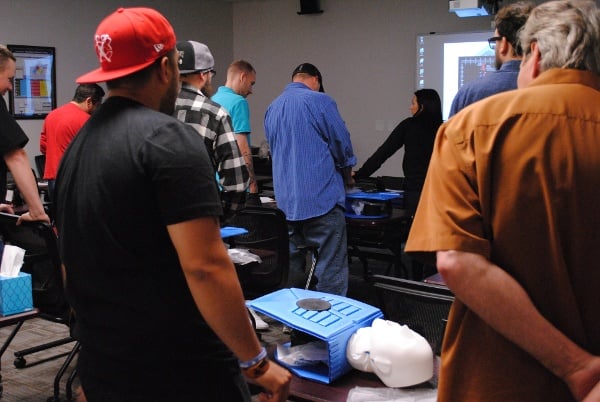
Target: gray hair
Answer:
pixel 567 33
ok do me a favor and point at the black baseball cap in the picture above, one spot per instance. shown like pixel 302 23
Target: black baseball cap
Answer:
pixel 311 70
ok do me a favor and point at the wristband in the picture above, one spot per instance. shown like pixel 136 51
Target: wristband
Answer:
pixel 252 362
pixel 258 369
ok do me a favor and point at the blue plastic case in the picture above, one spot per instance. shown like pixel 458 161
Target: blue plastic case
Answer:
pixel 335 326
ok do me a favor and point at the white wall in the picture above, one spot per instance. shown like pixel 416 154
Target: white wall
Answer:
pixel 365 50
pixel 69 26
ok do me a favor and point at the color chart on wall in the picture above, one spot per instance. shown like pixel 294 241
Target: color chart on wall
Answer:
pixel 33 94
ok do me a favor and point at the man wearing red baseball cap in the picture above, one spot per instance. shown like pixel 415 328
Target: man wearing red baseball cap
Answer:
pixel 159 309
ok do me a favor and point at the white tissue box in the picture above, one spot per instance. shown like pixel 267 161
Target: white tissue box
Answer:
pixel 15 294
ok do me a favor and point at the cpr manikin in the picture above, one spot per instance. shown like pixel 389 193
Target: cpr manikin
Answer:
pixel 399 356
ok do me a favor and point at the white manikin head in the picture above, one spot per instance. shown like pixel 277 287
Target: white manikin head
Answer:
pixel 399 356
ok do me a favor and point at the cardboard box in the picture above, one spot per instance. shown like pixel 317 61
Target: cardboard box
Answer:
pixel 15 294
pixel 334 326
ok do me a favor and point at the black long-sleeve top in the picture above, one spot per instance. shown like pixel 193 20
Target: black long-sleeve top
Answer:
pixel 417 136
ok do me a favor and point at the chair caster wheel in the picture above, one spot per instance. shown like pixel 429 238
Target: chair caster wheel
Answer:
pixel 20 362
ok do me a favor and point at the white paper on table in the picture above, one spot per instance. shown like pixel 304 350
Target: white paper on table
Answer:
pixel 366 394
pixel 266 200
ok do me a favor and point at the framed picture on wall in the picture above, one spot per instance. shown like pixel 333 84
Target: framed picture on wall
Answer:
pixel 34 88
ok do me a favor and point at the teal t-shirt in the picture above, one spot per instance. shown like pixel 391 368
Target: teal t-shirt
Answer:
pixel 237 107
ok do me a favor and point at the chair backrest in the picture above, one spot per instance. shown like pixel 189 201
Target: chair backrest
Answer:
pixel 42 261
pixel 423 307
pixel 268 238
pixel 391 182
pixel 40 164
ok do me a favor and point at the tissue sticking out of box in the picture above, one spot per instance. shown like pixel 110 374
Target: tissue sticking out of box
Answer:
pixel 12 261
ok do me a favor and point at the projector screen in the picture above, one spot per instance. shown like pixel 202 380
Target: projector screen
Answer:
pixel 445 62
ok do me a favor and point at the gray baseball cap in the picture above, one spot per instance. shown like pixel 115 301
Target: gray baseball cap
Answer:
pixel 194 57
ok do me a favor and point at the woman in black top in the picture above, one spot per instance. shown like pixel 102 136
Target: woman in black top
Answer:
pixel 417 134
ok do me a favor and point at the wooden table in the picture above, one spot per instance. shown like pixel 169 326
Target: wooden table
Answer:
pixel 302 390
pixel 17 320
pixel 306 390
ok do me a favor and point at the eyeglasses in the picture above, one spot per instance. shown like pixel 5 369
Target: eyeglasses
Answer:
pixel 211 72
pixel 492 41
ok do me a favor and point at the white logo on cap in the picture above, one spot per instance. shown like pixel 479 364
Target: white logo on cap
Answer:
pixel 158 47
pixel 103 47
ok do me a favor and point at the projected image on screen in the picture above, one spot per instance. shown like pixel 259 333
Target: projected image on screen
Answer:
pixel 446 62
pixel 472 68
pixel 456 56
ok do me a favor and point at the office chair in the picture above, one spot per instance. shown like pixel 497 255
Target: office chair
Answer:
pixel 391 182
pixel 423 307
pixel 40 164
pixel 368 184
pixel 267 237
pixel 44 190
pixel 42 261
pixel 379 239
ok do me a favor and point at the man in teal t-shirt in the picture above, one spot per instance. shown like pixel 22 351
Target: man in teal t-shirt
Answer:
pixel 241 77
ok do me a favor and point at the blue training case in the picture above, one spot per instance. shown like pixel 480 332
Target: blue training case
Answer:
pixel 335 326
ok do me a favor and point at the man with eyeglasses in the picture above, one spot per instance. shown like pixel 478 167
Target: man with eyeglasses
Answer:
pixel 508 21
pixel 212 122
pixel 509 214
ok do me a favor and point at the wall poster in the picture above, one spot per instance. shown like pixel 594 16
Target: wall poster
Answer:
pixel 34 87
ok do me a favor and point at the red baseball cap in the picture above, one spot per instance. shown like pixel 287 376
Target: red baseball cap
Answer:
pixel 127 41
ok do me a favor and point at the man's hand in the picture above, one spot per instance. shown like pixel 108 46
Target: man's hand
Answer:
pixel 7 208
pixel 276 384
pixel 348 177
pixel 29 218
pixel 584 382
pixel 594 395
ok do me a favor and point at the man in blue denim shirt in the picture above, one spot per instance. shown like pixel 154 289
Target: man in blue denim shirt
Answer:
pixel 312 163
pixel 508 21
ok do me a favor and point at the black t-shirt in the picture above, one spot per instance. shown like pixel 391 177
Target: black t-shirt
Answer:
pixel 130 172
pixel 12 137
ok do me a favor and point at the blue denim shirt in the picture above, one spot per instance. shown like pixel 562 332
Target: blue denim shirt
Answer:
pixel 309 144
pixel 498 81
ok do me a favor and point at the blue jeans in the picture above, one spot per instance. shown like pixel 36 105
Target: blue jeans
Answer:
pixel 326 234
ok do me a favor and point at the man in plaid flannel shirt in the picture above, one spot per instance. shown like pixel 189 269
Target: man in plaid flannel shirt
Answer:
pixel 194 107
